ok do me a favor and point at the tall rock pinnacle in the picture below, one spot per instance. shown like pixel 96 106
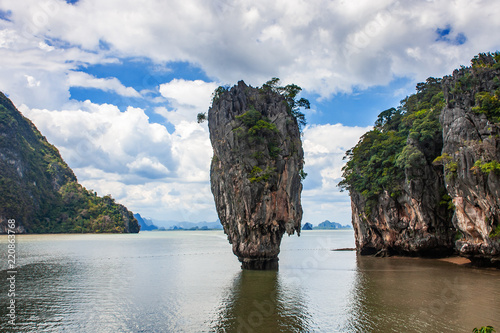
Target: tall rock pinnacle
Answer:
pixel 256 170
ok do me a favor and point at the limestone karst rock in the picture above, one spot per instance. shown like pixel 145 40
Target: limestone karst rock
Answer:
pixel 426 180
pixel 256 171
pixel 471 133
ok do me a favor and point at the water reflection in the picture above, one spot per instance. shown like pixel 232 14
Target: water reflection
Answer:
pixel 259 301
pixel 415 295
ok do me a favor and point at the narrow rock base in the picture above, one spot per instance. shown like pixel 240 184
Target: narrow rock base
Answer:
pixel 259 264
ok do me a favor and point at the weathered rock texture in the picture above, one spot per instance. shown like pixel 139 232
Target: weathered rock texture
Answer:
pixel 254 173
pixel 413 223
pixel 449 198
pixel 470 137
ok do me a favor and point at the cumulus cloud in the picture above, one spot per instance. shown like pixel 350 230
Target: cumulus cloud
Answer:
pixel 324 149
pixel 140 163
pixel 84 80
pixel 324 46
pixel 186 99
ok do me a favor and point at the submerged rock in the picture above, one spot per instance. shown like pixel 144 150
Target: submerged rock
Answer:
pixel 256 171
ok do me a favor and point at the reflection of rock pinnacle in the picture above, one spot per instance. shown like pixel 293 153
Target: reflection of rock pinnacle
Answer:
pixel 255 171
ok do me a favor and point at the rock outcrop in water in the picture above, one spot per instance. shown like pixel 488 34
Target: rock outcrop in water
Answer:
pixel 40 192
pixel 256 171
pixel 425 181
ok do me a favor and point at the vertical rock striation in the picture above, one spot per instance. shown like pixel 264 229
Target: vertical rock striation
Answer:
pixel 426 180
pixel 255 171
pixel 472 150
pixel 414 222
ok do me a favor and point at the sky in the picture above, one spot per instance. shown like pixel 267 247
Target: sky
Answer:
pixel 116 85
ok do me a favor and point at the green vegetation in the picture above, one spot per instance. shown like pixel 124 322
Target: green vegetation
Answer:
pixel 403 138
pixel 449 164
pixel 484 329
pixel 218 93
pixel 40 191
pixel 486 60
pixel 486 167
pixel 495 233
pixel 488 104
pixel 302 174
pixel 259 175
pixel 290 93
pixel 263 136
pixel 201 117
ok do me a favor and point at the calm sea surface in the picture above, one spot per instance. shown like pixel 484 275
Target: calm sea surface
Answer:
pixel 190 281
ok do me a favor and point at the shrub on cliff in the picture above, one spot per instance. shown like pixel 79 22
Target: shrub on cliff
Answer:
pixel 378 162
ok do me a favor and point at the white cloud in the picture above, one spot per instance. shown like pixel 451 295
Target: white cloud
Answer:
pixel 32 82
pixel 324 46
pixel 140 163
pixel 187 98
pixel 324 149
pixel 84 80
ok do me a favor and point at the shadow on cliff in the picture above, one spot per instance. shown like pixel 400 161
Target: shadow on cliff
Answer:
pixel 258 302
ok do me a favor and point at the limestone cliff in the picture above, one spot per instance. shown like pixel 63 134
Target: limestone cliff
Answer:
pixel 426 180
pixel 40 192
pixel 413 221
pixel 256 170
pixel 471 153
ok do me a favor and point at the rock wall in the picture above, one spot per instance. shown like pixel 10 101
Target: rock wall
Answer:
pixel 414 223
pixel 255 171
pixel 449 200
pixel 471 139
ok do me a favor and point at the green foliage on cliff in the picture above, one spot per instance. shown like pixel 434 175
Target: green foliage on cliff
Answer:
pixel 487 167
pixel 290 93
pixel 488 104
pixel 40 191
pixel 403 138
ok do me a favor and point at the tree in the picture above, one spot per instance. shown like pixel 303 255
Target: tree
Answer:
pixel 290 93
pixel 201 117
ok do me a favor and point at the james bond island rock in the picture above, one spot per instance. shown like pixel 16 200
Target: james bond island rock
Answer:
pixel 471 156
pixel 426 180
pixel 40 192
pixel 256 168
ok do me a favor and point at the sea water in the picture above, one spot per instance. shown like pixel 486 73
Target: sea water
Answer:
pixel 189 281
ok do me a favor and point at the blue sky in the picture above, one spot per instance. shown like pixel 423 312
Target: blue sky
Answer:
pixel 116 86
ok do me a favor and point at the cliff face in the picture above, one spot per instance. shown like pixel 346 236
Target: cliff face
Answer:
pixel 426 180
pixel 40 192
pixel 472 150
pixel 414 222
pixel 255 171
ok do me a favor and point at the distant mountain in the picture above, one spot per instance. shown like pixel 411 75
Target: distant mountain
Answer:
pixel 41 193
pixel 332 225
pixel 196 226
pixel 307 226
pixel 146 224
pixel 177 225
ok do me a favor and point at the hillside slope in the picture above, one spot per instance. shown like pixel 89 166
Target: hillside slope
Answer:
pixel 40 191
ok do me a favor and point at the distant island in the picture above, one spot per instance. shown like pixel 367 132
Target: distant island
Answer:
pixel 325 225
pixel 148 224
